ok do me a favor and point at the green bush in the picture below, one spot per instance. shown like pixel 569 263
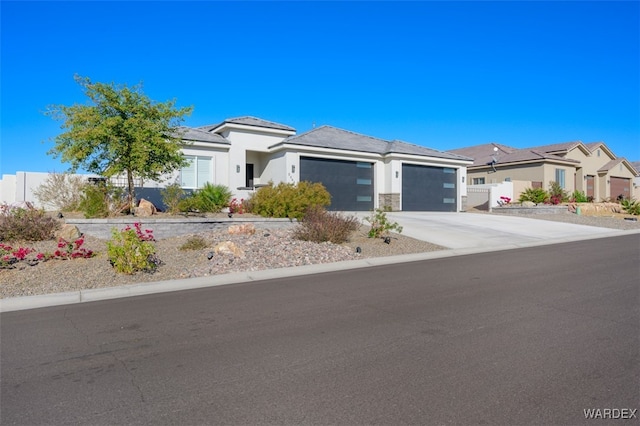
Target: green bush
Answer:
pixel 129 253
pixel 288 200
pixel 631 206
pixel 171 196
pixel 319 225
pixel 380 224
pixel 95 201
pixel 579 197
pixel 208 199
pixel 213 198
pixel 101 200
pixel 535 195
pixel 26 224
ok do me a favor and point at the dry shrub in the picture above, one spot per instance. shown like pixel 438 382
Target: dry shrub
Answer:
pixel 63 191
pixel 26 224
pixel 319 225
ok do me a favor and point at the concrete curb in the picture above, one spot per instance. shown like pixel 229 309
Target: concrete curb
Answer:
pixel 93 295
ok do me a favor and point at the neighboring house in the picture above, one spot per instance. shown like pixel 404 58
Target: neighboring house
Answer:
pixel 591 168
pixel 360 172
pixel 636 180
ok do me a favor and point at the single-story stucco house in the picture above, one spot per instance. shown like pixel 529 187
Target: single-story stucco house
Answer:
pixel 360 172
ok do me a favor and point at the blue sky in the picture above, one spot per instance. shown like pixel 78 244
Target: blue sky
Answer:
pixel 439 74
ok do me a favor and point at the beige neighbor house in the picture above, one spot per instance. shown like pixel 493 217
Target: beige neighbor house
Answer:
pixel 588 167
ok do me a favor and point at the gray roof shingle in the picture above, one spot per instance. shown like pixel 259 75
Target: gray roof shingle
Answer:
pixel 484 154
pixel 334 138
pixel 249 121
pixel 198 135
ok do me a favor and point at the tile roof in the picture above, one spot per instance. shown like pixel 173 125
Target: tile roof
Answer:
pixel 198 135
pixel 332 137
pixel 557 147
pixel 249 121
pixel 484 154
pixel 611 164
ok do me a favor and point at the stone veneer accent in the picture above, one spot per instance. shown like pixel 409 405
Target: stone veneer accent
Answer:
pixel 392 200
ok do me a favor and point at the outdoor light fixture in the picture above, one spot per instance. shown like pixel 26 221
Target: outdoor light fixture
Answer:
pixel 238 168
pixel 397 173
pixel 293 169
pixel 462 179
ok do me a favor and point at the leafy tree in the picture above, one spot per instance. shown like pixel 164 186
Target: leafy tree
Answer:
pixel 120 131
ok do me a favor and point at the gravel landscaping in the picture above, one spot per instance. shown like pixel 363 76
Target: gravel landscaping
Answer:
pixel 266 249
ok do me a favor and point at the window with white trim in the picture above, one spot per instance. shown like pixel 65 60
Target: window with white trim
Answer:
pixel 197 173
pixel 560 177
pixel 478 181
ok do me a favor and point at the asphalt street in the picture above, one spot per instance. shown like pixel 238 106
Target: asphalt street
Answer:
pixel 528 336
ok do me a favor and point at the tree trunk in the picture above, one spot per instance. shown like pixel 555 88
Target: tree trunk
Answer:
pixel 131 196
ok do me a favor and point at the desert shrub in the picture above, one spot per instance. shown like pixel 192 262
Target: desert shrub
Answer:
pixel 194 243
pixel 63 191
pixel 319 225
pixel 534 195
pixel 578 197
pixel 26 224
pixel 288 200
pixel 188 204
pixel 130 251
pixel 208 199
pixel 171 196
pixel 557 194
pixel 94 201
pixel 102 199
pixel 213 198
pixel 630 206
pixel 380 224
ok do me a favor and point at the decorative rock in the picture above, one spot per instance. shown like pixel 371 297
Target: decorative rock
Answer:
pixel 246 229
pixel 528 204
pixel 145 208
pixel 68 232
pixel 227 247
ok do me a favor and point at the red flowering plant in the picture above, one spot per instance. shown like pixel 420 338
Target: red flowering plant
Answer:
pixel 146 235
pixel 236 206
pixel 72 250
pixel 9 256
pixel 504 201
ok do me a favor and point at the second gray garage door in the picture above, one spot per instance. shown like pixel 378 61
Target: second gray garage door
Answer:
pixel 426 188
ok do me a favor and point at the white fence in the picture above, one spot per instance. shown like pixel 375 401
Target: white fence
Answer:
pixel 487 196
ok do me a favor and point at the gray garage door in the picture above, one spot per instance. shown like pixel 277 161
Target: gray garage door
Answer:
pixel 426 188
pixel 350 183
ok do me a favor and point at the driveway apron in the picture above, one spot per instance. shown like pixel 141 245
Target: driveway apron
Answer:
pixel 477 230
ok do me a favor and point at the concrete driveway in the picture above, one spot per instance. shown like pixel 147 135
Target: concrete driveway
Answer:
pixel 477 230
